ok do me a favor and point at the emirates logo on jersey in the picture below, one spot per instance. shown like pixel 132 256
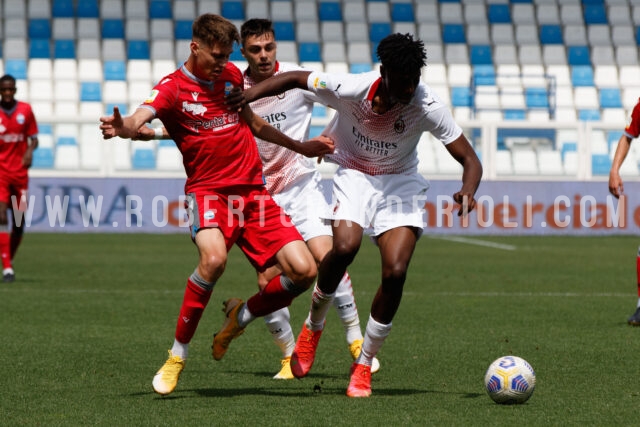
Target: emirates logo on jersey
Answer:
pixel 399 125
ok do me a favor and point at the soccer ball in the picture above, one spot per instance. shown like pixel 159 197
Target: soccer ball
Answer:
pixel 509 380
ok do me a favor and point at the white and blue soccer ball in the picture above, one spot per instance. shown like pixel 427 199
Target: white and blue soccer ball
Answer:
pixel 510 380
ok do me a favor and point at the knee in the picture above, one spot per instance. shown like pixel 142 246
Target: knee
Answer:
pixel 211 266
pixel 345 250
pixel 304 275
pixel 395 273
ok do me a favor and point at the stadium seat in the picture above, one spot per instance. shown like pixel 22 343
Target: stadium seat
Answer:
pixel 40 68
pixel 402 12
pixel 378 31
pixel 526 34
pixel 161 9
pixel 138 49
pixel 168 156
pixel 16 29
pixel 184 10
pixel 554 54
pixel 39 9
pixel 309 52
pixel 63 29
pixel 67 157
pixel 87 9
pixel 284 30
pixel 610 98
pixel 589 115
pixel 481 55
pixel 595 14
pixel 600 164
pixel 39 29
pixel 114 70
pixel 329 11
pixel 333 52
pixel 42 158
pixel 233 10
pixel 63 9
pixel 64 49
pixel 499 13
pixel 582 75
pixel 525 162
pixel 356 32
pixel 378 12
pixel 15 9
pixel 162 29
pixel 453 33
pixel 331 31
pixel 183 30
pixel 143 158
pixel 16 67
pixel 551 34
pixel 90 91
pixel 574 34
pixel 599 35
pixel 550 162
pixel 578 55
pixel 39 48
pixel 536 97
pixel 478 34
pixel 451 13
pixel 88 28
pixel 136 29
pixel 112 29
pixel 460 97
pixel 65 69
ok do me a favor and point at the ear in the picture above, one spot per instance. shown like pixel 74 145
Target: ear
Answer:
pixel 194 47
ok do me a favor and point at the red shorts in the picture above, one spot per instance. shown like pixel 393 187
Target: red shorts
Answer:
pixel 14 186
pixel 246 216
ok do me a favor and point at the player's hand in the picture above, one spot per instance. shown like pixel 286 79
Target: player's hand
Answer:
pixel 616 187
pixel 145 133
pixel 235 100
pixel 27 159
pixel 466 201
pixel 316 147
pixel 111 125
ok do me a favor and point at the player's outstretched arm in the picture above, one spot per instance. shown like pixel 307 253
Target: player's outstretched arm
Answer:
pixel 124 127
pixel 463 152
pixel 237 99
pixel 318 146
pixel 616 186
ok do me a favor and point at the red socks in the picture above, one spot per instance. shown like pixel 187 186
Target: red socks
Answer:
pixel 5 251
pixel 193 304
pixel 273 297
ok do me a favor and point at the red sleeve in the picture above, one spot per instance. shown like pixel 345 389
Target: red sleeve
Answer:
pixel 633 128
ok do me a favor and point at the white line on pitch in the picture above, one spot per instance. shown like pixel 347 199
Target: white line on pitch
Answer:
pixel 476 242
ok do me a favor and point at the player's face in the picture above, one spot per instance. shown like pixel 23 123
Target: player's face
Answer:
pixel 260 53
pixel 210 60
pixel 400 86
pixel 7 92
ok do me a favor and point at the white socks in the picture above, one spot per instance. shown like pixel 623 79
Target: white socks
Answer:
pixel 180 349
pixel 280 328
pixel 374 337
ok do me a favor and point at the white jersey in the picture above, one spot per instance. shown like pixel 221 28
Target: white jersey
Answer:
pixel 379 144
pixel 289 112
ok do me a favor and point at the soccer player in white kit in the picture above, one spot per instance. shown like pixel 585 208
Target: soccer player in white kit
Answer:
pixel 379 119
pixel 294 182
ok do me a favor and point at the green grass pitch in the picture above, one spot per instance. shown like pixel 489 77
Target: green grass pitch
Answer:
pixel 90 318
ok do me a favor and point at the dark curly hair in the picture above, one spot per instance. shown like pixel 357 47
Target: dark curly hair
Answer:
pixel 401 53
pixel 256 27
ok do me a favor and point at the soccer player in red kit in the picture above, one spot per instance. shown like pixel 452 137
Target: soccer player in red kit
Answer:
pixel 18 139
pixel 226 197
pixel 616 186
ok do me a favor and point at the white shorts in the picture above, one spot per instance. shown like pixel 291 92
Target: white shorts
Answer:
pixel 304 202
pixel 380 202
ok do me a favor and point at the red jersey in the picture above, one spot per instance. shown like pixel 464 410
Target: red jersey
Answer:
pixel 218 148
pixel 633 128
pixel 16 127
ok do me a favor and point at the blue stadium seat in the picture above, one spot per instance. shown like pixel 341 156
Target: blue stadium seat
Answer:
pixel 115 70
pixel 315 130
pixel 480 55
pixel 63 8
pixel 610 98
pixel 582 75
pixel 236 55
pixel 90 91
pixel 39 29
pixel 595 14
pixel 161 9
pixel 16 67
pixel 357 68
pixel 551 34
pixel 638 36
pixel 42 158
pixel 453 33
pixel 40 48
pixel 88 9
pixel 378 31
pixel 568 146
pixel 589 115
pixel 600 164
pixel 402 12
pixel 64 49
pixel 613 136
pixel 143 158
pixel 138 49
pixel 329 11
pixel 233 10
pixel 460 96
pixel 66 140
pixel 499 14
pixel 578 55
pixel 484 75
pixel 166 143
pixel 536 97
pixel 514 114
pixel 182 30
pixel 112 29
pixel 124 108
pixel 284 31
pixel 309 52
